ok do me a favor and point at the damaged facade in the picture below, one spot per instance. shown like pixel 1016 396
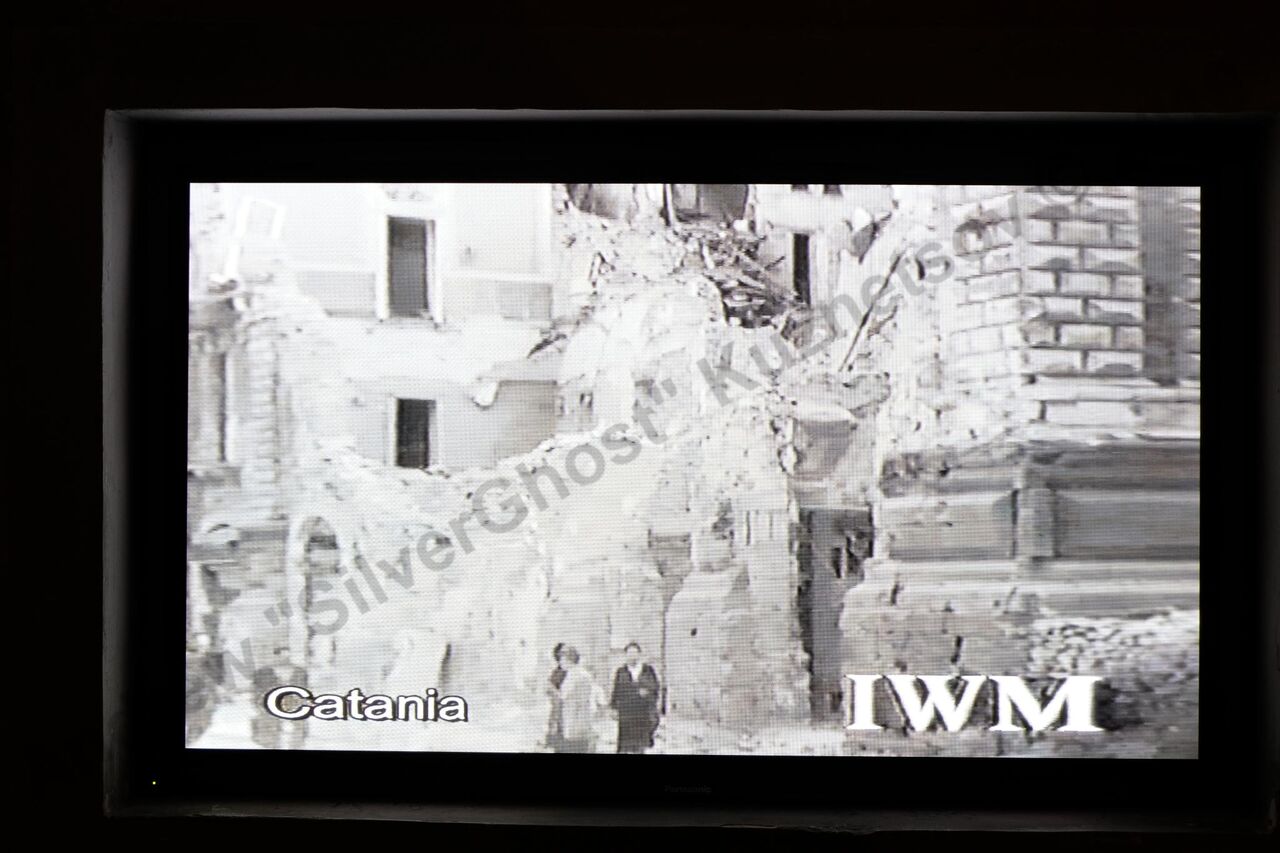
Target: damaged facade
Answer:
pixel 993 470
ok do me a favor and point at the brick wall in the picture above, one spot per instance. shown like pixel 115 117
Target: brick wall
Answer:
pixel 1097 289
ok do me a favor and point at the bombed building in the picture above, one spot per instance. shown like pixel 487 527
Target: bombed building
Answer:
pixel 775 434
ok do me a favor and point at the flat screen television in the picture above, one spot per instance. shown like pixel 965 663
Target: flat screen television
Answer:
pixel 781 468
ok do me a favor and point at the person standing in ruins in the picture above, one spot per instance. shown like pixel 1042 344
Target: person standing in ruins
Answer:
pixel 555 727
pixel 635 698
pixel 581 700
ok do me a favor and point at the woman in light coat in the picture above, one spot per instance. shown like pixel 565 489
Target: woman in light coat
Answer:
pixel 581 701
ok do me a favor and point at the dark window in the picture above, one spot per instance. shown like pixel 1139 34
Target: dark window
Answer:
pixel 800 188
pixel 220 367
pixel 415 420
pixel 407 254
pixel 800 266
pixel 831 189
pixel 715 202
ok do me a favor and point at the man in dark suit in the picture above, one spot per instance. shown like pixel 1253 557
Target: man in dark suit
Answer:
pixel 635 698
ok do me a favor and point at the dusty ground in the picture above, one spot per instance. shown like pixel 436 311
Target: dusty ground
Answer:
pixel 514 731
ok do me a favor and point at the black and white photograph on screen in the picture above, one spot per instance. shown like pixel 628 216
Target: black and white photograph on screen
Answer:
pixel 716 469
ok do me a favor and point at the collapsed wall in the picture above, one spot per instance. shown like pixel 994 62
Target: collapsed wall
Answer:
pixel 713 581
pixel 689 546
pixel 656 514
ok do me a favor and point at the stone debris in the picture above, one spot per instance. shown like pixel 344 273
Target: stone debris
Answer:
pixel 1151 666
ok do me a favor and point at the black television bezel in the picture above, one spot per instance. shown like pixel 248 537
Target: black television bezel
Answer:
pixel 152 157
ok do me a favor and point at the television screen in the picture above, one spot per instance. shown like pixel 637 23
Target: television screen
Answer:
pixel 698 469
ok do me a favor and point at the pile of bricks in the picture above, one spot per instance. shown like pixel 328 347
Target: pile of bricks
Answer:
pixel 1151 669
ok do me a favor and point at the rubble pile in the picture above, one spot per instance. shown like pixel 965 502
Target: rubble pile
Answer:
pixel 729 257
pixel 662 305
pixel 1151 669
